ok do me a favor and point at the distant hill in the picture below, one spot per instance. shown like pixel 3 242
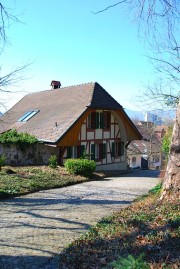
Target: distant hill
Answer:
pixel 138 115
pixel 165 115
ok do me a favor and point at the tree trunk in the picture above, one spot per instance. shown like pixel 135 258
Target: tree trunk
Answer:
pixel 171 185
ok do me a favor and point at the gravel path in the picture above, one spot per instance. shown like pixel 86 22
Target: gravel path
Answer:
pixel 36 227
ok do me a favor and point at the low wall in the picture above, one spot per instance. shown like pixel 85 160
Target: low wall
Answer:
pixel 112 166
pixel 36 154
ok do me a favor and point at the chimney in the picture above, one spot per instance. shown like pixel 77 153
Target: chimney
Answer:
pixel 55 84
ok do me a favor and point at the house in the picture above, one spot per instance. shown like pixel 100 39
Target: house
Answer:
pixel 160 131
pixel 147 152
pixel 144 154
pixel 70 122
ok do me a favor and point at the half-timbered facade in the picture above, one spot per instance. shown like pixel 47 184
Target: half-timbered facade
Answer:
pixel 78 121
pixel 100 139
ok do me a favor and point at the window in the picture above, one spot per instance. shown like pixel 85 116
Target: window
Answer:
pixel 89 121
pixel 99 120
pixel 28 115
pixel 133 160
pixel 98 151
pixel 81 151
pixel 69 152
pixel 117 149
pixel 106 120
pixel 76 151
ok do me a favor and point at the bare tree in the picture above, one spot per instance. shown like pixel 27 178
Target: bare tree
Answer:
pixel 16 75
pixel 5 20
pixel 159 22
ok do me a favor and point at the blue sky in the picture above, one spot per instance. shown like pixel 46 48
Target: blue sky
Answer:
pixel 65 41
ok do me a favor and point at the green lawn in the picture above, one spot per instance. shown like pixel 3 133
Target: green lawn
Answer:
pixel 144 235
pixel 16 181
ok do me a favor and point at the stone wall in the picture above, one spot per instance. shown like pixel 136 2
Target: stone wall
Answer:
pixel 36 154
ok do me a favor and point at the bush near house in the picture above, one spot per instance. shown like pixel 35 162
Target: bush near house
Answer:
pixel 81 167
pixel 53 162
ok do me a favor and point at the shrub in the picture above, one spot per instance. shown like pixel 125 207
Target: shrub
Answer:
pixel 81 167
pixel 167 141
pixel 130 263
pixel 157 189
pixel 21 139
pixel 2 161
pixel 53 163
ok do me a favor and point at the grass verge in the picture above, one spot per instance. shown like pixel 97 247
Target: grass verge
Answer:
pixel 144 235
pixel 22 180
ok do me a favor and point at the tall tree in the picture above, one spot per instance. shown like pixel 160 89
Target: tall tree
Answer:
pixel 171 186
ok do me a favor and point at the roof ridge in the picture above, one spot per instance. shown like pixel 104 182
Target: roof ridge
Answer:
pixel 90 102
pixel 76 85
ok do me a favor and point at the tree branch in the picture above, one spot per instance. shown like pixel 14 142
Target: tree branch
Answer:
pixel 108 7
pixel 5 18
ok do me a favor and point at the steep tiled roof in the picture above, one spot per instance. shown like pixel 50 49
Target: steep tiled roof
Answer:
pixel 143 147
pixel 58 109
pixel 102 99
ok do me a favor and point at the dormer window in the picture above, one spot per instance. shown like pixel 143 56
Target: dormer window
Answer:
pixel 28 115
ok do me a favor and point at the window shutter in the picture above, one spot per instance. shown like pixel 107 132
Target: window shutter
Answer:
pixel 122 148
pixel 69 152
pixel 113 150
pixel 92 152
pixel 101 120
pixel 104 151
pixel 89 121
pixel 119 148
pixel 100 151
pixel 97 120
pixel 82 150
pixel 108 120
pixel 78 151
pixel 93 120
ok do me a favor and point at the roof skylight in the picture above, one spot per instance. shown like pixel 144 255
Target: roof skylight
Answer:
pixel 28 115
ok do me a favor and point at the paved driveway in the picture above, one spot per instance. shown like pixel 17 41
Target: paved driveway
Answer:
pixel 35 228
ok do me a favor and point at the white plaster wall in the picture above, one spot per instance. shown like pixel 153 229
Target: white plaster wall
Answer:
pixel 116 131
pixel 83 132
pixel 112 131
pixel 90 135
pixel 123 134
pixel 98 134
pixel 107 135
pixel 138 160
pixel 109 157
